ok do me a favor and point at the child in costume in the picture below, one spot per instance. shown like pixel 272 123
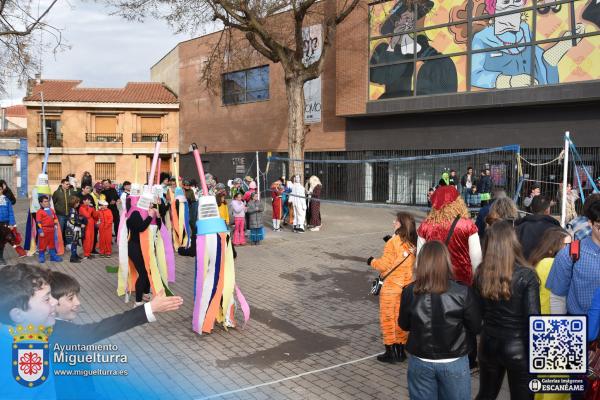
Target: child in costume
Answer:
pixel 277 195
pixel 47 223
pixel 87 211
pixel 73 228
pixel 7 228
pixel 239 216
pixel 105 223
pixel 399 253
pixel 255 216
pixel 223 209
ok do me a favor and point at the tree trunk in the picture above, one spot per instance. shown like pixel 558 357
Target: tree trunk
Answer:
pixel 294 87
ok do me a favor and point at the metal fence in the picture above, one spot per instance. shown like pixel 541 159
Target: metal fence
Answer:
pixel 104 137
pixel 149 137
pixel 549 175
pixel 398 177
pixel 375 177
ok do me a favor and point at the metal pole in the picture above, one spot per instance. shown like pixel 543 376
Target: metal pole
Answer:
pixel 563 212
pixel 257 177
pixel 44 136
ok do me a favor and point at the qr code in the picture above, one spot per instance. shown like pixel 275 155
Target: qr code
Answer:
pixel 557 344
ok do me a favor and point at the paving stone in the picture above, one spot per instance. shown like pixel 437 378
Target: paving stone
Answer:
pixel 310 310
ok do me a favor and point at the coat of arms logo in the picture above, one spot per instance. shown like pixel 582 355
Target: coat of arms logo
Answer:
pixel 30 354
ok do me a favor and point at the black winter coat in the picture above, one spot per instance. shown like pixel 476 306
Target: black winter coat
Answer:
pixel 439 324
pixel 530 230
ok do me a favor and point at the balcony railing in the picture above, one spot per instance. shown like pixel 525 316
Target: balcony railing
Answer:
pixel 104 137
pixel 54 140
pixel 149 137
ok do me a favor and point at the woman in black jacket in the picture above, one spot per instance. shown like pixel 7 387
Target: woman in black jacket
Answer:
pixel 439 314
pixel 510 291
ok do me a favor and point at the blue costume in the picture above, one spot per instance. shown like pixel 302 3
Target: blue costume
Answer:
pixel 486 67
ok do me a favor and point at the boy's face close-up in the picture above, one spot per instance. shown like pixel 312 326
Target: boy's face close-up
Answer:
pixel 41 311
pixel 45 203
pixel 68 307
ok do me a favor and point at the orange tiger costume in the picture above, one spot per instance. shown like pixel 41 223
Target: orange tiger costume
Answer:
pixel 394 252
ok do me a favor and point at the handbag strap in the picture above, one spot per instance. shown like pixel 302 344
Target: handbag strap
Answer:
pixel 393 269
pixel 447 241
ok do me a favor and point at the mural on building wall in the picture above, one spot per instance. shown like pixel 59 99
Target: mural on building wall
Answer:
pixel 426 49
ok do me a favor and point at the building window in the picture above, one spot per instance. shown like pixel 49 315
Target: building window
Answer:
pixel 53 129
pixel 246 86
pixel 151 128
pixel 54 171
pixel 106 170
pixel 451 46
pixel 105 130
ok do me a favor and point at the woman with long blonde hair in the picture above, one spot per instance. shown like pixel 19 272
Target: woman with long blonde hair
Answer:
pixel 510 292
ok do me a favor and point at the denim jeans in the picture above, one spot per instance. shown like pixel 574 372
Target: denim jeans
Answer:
pixel 62 221
pixel 441 381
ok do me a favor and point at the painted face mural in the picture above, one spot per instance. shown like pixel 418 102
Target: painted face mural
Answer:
pixel 435 47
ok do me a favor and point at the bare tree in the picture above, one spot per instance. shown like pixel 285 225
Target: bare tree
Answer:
pixel 274 30
pixel 20 20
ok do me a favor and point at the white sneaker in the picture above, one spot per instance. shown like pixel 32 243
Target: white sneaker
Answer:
pixel 136 304
pixel 315 229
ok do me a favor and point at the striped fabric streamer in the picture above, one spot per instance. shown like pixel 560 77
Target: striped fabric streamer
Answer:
pixel 199 282
pixel 243 305
pixel 169 253
pixel 188 230
pixel 123 256
pixel 29 243
pixel 215 289
pixel 149 254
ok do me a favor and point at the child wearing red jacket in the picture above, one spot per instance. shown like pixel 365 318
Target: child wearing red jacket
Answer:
pixel 87 211
pixel 47 223
pixel 105 222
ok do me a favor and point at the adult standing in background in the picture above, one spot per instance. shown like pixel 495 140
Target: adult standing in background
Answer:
pixel 535 191
pixel 532 227
pixel 86 179
pixel 485 187
pixel 466 182
pixel 298 200
pixel 112 198
pixel 314 190
pixel 60 198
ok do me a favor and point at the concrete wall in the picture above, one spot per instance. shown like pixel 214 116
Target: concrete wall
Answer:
pixel 532 126
pixel 166 70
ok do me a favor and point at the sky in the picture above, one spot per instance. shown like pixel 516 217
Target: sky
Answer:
pixel 105 50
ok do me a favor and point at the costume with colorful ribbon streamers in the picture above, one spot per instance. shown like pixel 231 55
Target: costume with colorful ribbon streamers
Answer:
pixel 215 288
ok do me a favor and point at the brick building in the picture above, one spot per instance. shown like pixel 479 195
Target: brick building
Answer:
pixel 100 130
pixel 464 83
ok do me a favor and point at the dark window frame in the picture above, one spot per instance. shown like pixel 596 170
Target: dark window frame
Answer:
pixel 228 96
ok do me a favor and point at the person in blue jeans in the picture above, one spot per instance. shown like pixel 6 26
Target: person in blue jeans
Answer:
pixel 440 315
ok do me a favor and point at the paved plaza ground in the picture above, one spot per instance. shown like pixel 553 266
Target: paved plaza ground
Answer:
pixel 313 332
